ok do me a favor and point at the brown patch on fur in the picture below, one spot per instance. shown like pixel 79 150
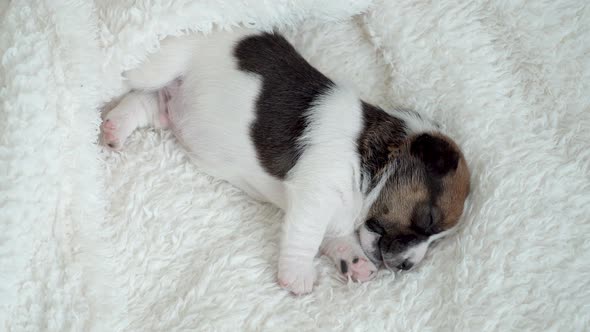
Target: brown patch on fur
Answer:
pixel 412 185
pixel 455 189
pixel 394 151
pixel 405 188
pixel 395 204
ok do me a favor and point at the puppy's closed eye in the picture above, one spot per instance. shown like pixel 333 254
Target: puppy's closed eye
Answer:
pixel 374 226
pixel 425 219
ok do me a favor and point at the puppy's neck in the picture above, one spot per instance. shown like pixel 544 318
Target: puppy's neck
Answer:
pixel 379 142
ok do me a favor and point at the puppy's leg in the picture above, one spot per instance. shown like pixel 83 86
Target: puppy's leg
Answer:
pixel 349 257
pixel 304 228
pixel 162 67
pixel 135 110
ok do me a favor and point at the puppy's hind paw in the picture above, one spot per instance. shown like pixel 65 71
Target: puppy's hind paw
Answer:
pixel 109 136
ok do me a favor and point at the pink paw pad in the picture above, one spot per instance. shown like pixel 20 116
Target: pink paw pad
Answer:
pixel 359 269
pixel 283 283
pixel 164 121
pixel 108 124
pixel 108 134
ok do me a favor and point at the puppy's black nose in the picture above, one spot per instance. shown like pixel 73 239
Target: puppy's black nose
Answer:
pixel 405 265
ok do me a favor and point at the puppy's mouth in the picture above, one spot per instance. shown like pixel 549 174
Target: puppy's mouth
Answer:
pixel 398 264
pixel 369 239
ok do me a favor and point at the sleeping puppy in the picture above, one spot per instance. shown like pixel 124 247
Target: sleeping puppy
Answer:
pixel 364 186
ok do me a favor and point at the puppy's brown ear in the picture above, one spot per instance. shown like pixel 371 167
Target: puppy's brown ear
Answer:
pixel 438 155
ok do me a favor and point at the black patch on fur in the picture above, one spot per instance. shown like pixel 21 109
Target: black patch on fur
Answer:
pixel 400 242
pixel 374 226
pixel 343 266
pixel 380 135
pixel 437 154
pixel 290 85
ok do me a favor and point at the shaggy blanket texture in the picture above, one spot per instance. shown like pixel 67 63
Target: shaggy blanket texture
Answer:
pixel 142 240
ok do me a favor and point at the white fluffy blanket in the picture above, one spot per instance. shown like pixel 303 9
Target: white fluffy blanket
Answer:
pixel 142 240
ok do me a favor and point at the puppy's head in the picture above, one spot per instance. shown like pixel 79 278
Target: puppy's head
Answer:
pixel 420 202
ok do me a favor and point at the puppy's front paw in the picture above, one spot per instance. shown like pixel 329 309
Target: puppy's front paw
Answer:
pixel 350 258
pixel 297 278
pixel 358 268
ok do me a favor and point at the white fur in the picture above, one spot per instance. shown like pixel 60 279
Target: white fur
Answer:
pixel 212 113
pixel 415 122
pixel 368 240
pixel 416 253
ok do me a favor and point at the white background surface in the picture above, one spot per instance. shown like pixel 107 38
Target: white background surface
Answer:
pixel 142 240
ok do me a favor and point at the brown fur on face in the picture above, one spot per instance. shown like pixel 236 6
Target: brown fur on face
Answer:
pixel 414 182
pixel 455 190
pixel 423 196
